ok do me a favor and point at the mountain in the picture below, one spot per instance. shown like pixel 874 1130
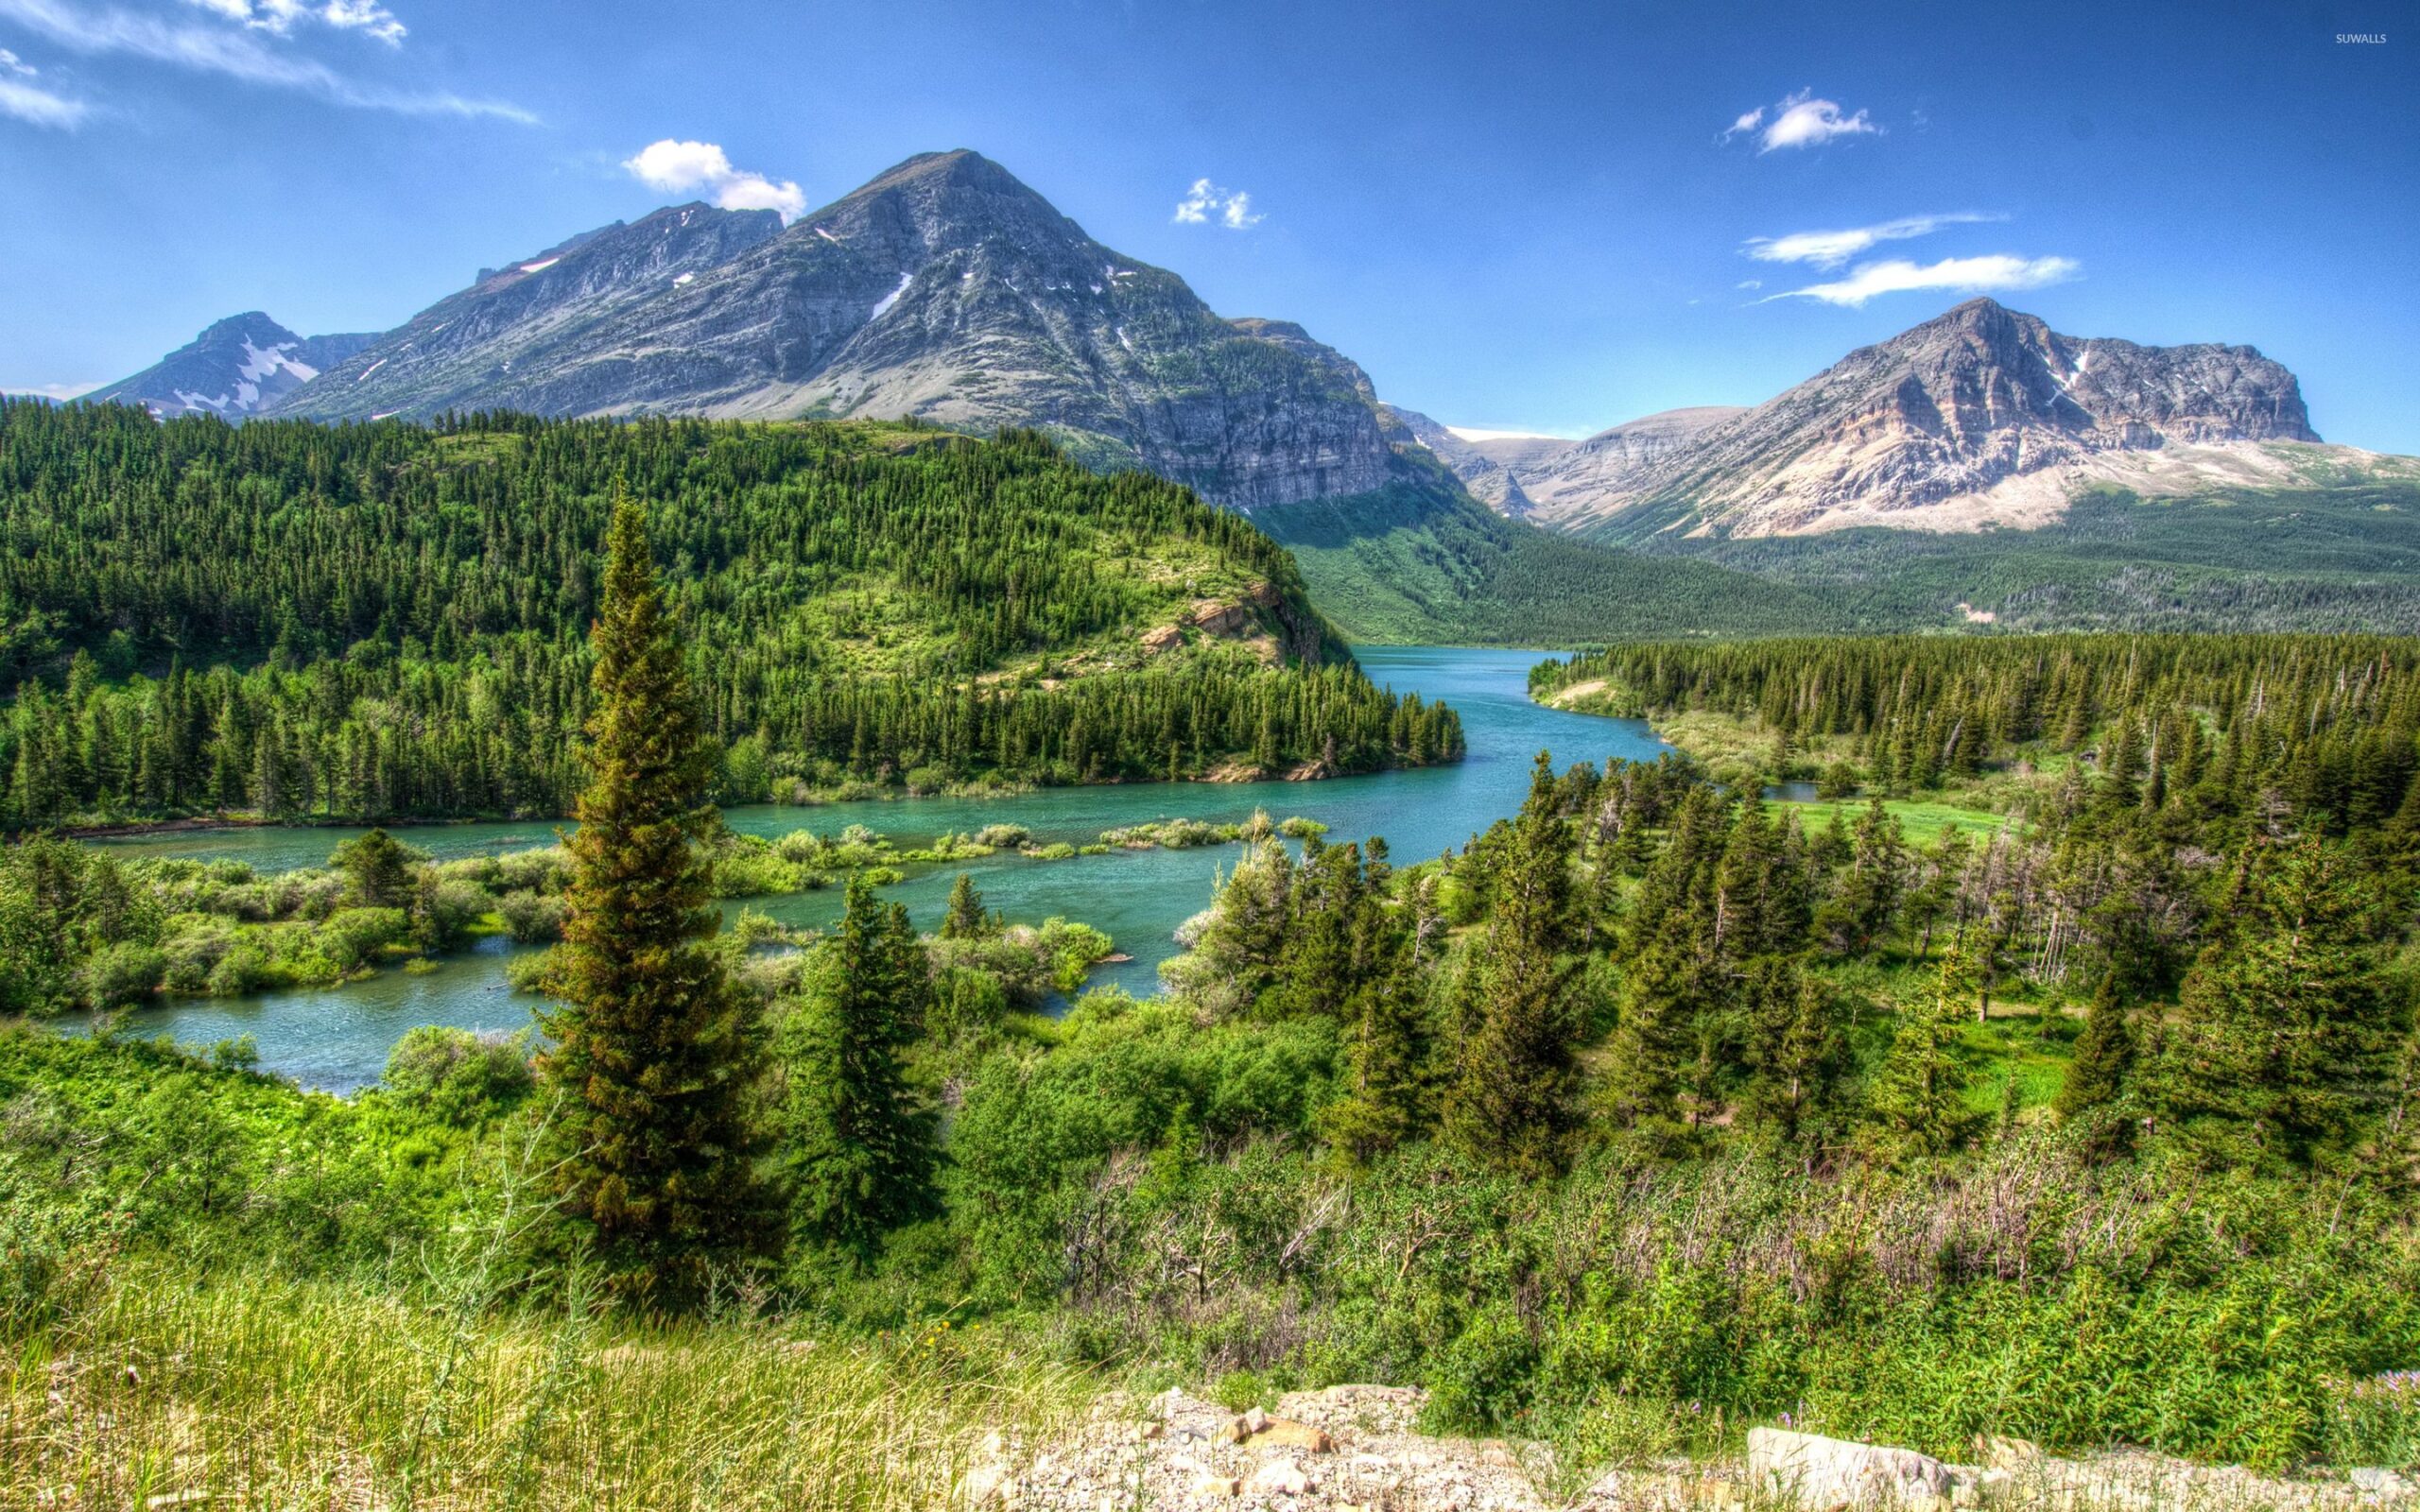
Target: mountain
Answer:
pixel 1549 478
pixel 1482 465
pixel 944 289
pixel 239 367
pixel 1566 481
pixel 504 343
pixel 1983 416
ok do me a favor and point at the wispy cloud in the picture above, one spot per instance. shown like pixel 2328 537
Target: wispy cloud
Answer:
pixel 1800 120
pixel 61 392
pixel 32 103
pixel 683 167
pixel 238 52
pixel 1993 274
pixel 280 17
pixel 1206 201
pixel 1833 249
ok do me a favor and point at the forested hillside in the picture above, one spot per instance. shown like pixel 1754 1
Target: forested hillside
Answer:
pixel 385 620
pixel 2309 732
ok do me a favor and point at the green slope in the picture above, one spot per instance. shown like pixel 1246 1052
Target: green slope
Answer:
pixel 1420 562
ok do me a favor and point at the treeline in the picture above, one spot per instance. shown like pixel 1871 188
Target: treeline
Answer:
pixel 385 621
pixel 2224 730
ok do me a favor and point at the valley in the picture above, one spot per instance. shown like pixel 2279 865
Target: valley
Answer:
pixel 856 854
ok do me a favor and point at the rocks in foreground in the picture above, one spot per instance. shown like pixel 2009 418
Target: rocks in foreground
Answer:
pixel 1354 1449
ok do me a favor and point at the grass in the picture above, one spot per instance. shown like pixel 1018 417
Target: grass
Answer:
pixel 1924 820
pixel 162 1384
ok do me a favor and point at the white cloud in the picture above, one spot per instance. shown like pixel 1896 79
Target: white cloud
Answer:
pixel 12 63
pixel 279 16
pixel 683 167
pixel 39 107
pixel 1750 283
pixel 1831 248
pixel 239 53
pixel 1969 275
pixel 1206 201
pixel 1800 120
pixel 61 392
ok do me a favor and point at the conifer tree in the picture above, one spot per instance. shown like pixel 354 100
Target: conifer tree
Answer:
pixel 1793 1050
pixel 1515 1073
pixel 965 917
pixel 654 1053
pixel 860 1145
pixel 1917 1101
pixel 2286 1036
pixel 2101 1068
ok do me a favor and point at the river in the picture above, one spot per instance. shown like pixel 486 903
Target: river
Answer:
pixel 338 1037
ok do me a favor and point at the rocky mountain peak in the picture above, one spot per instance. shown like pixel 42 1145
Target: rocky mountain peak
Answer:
pixel 1982 414
pixel 237 367
pixel 943 288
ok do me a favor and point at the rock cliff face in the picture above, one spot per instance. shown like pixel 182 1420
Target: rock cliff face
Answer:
pixel 1983 416
pixel 944 289
pixel 239 367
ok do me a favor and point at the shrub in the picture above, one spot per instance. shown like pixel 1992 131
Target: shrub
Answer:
pixel 461 1077
pixel 351 936
pixel 123 976
pixel 531 919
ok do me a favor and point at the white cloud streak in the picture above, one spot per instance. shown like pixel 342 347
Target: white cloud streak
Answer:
pixel 233 52
pixel 1800 120
pixel 278 17
pixel 60 392
pixel 31 103
pixel 1833 249
pixel 1206 202
pixel 684 167
pixel 36 105
pixel 1993 274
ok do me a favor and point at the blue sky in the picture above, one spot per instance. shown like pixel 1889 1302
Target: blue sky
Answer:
pixel 1524 218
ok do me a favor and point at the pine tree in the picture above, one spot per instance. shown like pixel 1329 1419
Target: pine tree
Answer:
pixel 2286 1035
pixel 1515 1073
pixel 965 917
pixel 1918 1095
pixel 655 1054
pixel 1792 1049
pixel 1386 1100
pixel 2103 1065
pixel 858 1144
pixel 377 870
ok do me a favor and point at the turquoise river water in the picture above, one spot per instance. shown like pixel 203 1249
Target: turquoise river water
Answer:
pixel 338 1037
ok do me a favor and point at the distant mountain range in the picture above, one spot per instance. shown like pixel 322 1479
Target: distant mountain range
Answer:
pixel 947 290
pixel 1981 417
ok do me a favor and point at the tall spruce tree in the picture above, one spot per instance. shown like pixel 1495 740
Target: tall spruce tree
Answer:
pixel 857 1144
pixel 1516 1071
pixel 655 1054
pixel 1918 1100
pixel 2103 1066
pixel 2286 1035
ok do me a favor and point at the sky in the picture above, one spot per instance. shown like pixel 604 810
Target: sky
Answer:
pixel 1522 218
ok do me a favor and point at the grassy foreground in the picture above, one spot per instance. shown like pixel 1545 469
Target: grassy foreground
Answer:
pixel 168 1383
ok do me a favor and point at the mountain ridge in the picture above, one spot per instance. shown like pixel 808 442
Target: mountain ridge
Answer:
pixel 944 288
